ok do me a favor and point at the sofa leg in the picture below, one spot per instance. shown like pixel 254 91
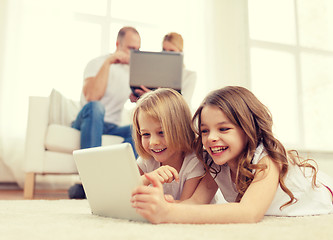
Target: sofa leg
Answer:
pixel 29 185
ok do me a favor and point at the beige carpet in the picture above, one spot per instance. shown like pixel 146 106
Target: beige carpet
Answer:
pixel 71 219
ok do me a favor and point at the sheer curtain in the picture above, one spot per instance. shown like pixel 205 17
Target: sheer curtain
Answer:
pixel 37 35
pixel 47 43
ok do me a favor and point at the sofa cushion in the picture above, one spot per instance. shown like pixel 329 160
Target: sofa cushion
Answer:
pixel 60 138
pixel 61 109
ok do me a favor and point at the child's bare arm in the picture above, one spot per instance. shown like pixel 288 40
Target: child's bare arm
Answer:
pixel 151 203
pixel 203 193
pixel 189 188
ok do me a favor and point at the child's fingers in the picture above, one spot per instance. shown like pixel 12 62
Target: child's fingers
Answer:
pixel 154 181
pixel 144 193
pixel 166 174
pixel 142 190
pixel 169 198
pixel 171 172
pixel 138 200
pixel 149 201
pixel 174 173
pixel 163 176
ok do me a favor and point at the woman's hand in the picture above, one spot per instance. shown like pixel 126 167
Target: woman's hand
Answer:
pixel 139 92
pixel 142 90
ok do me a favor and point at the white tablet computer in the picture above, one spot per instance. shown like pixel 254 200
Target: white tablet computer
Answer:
pixel 109 174
pixel 156 69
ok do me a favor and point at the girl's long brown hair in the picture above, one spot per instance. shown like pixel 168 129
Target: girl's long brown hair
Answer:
pixel 245 111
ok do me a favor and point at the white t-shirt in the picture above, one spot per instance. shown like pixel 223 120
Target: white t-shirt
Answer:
pixel 118 88
pixel 311 201
pixel 188 84
pixel 191 168
pixel 117 91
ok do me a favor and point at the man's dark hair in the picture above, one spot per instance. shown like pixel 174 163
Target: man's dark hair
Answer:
pixel 123 31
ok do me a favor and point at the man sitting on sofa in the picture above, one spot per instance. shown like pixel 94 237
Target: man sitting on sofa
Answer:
pixel 105 91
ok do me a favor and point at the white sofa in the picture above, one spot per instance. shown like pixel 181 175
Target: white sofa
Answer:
pixel 6 175
pixel 50 140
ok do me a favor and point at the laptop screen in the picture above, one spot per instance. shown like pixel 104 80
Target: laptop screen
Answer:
pixel 156 69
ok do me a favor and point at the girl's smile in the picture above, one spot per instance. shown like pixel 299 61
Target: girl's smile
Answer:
pixel 157 151
pixel 218 150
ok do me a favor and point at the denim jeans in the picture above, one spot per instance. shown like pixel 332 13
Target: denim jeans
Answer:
pixel 90 121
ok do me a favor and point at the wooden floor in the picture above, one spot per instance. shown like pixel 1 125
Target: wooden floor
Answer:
pixel 13 192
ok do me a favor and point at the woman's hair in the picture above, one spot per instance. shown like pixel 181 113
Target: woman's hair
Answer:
pixel 169 108
pixel 176 39
pixel 245 111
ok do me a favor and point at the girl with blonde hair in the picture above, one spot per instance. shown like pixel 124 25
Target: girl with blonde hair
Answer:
pixel 164 141
pixel 243 159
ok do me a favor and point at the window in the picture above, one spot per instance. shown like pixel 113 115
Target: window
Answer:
pixel 291 65
pixel 153 19
pixel 47 44
pixel 59 37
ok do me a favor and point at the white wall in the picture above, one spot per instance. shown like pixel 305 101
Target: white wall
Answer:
pixel 3 5
pixel 228 39
pixel 5 173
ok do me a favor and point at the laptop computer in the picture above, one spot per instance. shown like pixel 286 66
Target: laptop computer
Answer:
pixel 156 69
pixel 109 174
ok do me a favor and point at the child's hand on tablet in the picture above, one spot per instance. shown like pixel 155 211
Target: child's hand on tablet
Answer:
pixel 164 174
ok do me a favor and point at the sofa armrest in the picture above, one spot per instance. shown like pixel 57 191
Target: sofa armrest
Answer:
pixel 36 132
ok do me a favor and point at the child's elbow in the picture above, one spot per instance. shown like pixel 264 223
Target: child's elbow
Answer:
pixel 254 217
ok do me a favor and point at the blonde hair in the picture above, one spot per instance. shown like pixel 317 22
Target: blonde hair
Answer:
pixel 245 111
pixel 176 39
pixel 170 109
